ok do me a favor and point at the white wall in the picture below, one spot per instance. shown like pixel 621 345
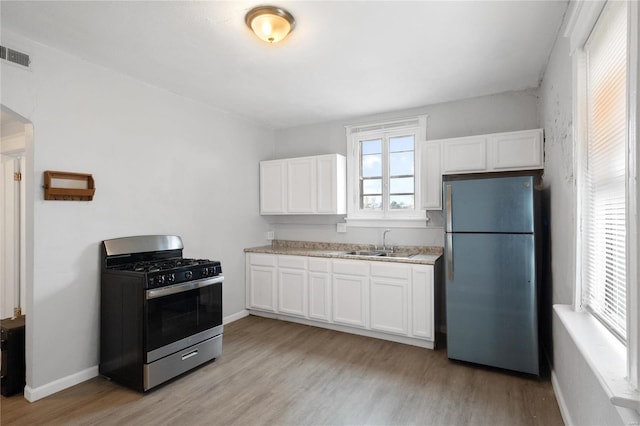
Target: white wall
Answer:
pixel 585 402
pixel 163 164
pixel 501 112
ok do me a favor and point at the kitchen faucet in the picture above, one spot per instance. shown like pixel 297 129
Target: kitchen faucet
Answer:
pixel 384 239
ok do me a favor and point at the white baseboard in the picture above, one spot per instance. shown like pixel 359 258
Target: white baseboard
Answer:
pixel 34 394
pixel 564 410
pixel 235 317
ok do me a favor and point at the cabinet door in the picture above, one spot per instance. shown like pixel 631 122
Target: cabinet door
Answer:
pixel 326 184
pixel 319 296
pixel 422 302
pixel 301 181
pixel 431 183
pixel 516 150
pixel 463 155
pixel 389 305
pixel 319 289
pixel 389 297
pixel 273 187
pixel 292 291
pixel 261 277
pixel 350 295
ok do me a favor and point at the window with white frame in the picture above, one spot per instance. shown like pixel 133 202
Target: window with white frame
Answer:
pixel 604 171
pixel 384 178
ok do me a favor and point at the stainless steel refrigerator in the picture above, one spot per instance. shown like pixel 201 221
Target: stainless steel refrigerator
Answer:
pixel 492 227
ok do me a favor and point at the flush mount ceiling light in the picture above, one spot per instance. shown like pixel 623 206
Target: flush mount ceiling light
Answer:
pixel 270 23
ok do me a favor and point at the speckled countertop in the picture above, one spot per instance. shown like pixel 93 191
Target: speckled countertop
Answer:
pixel 424 255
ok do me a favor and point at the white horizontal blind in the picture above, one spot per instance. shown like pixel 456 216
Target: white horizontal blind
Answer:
pixel 604 203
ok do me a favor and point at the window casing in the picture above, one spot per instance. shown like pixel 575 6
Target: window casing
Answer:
pixel 604 171
pixel 384 172
pixel 582 21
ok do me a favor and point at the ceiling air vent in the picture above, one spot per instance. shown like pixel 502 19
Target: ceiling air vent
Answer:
pixel 14 56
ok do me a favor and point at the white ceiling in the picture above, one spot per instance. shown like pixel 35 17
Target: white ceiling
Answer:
pixel 344 59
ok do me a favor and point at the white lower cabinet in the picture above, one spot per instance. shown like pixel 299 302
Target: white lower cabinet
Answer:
pixel 422 302
pixel 319 289
pixel 389 297
pixel 350 285
pixel 388 300
pixel 261 281
pixel 292 285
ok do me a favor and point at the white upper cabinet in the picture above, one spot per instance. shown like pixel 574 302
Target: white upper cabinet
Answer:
pixel 301 179
pixel 331 187
pixel 522 150
pixel 464 155
pixel 516 150
pixel 305 185
pixel 430 154
pixel 273 187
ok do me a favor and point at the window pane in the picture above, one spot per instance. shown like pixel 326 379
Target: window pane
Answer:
pixel 371 202
pixel 372 147
pixel 401 164
pixel 401 143
pixel 400 202
pixel 372 165
pixel 372 186
pixel 401 186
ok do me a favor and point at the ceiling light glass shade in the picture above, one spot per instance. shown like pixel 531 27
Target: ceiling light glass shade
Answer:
pixel 269 23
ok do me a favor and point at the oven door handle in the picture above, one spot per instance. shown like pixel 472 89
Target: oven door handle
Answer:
pixel 179 288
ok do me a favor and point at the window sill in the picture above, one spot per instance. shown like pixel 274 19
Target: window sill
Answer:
pixel 605 354
pixel 368 222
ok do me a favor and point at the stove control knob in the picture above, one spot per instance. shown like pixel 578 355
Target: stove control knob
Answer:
pixel 205 272
pixel 188 275
pixel 160 279
pixel 171 277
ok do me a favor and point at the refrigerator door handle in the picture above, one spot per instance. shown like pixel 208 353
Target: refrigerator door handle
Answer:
pixel 450 255
pixel 448 207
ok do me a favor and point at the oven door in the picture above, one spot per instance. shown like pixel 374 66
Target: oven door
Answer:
pixel 181 315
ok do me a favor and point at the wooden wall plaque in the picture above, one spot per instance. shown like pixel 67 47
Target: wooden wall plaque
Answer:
pixel 67 186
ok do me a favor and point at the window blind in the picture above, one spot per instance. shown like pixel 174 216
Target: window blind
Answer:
pixel 604 202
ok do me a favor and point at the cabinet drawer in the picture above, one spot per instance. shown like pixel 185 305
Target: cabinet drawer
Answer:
pixel 350 267
pixel 319 265
pixel 292 262
pixel 262 259
pixel 388 270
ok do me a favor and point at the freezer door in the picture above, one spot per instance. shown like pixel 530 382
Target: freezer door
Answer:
pixel 489 205
pixel 491 300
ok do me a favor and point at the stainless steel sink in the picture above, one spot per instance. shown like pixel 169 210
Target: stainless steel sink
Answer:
pixel 402 255
pixel 381 253
pixel 365 253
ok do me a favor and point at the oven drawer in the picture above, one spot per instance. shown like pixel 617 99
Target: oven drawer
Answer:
pixel 180 362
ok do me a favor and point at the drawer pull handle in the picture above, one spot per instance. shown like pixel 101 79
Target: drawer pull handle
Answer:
pixel 189 355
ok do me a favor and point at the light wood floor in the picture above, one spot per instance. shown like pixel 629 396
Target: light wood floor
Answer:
pixel 276 373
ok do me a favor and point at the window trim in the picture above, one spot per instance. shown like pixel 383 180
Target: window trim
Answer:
pixel 582 19
pixel 356 216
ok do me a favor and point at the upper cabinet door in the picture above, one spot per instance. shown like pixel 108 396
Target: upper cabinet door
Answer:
pixel 301 179
pixel 465 155
pixel 431 176
pixel 273 187
pixel 516 150
pixel 331 187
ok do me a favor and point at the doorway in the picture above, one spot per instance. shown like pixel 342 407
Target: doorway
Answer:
pixel 16 221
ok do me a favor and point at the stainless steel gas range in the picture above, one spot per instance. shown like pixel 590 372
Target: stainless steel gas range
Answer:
pixel 161 314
